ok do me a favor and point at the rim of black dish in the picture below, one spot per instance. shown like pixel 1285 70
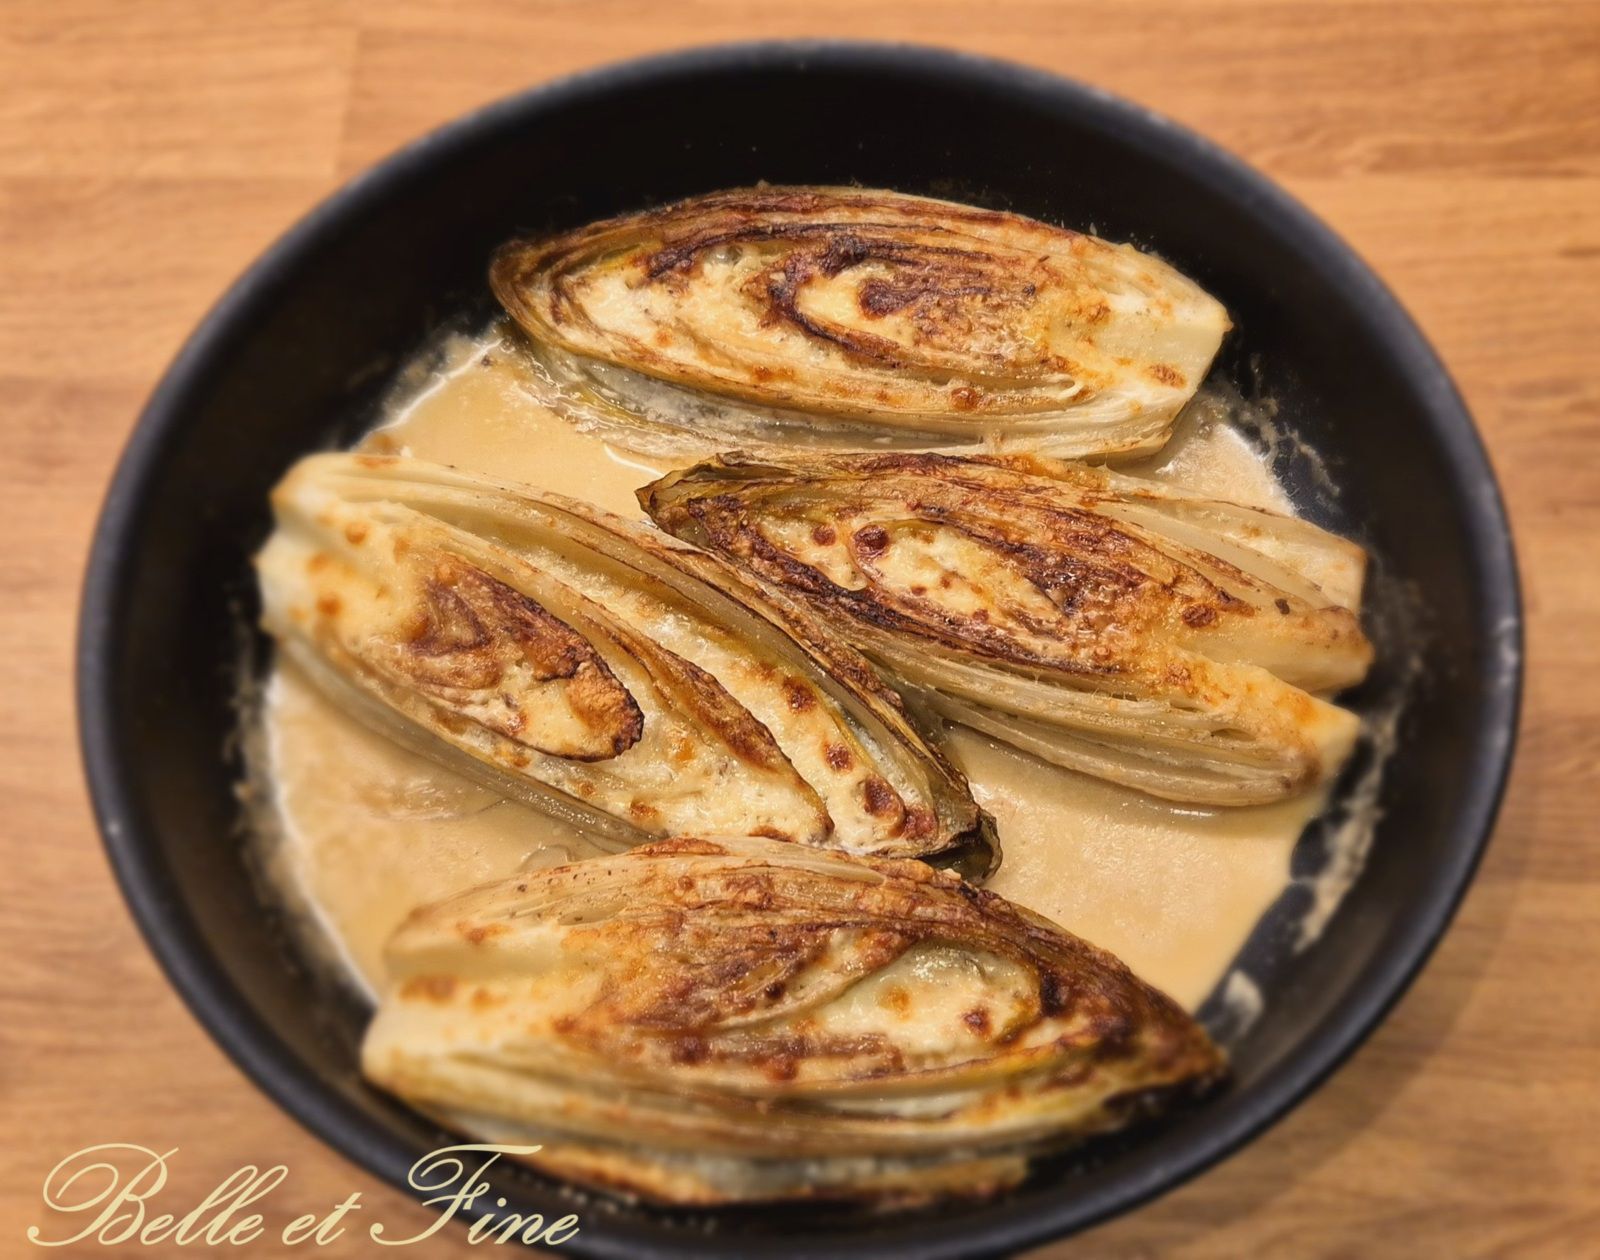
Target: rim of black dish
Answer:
pixel 1033 1215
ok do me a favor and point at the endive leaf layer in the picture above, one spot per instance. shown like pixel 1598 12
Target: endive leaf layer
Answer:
pixel 1105 623
pixel 709 1021
pixel 860 318
pixel 595 667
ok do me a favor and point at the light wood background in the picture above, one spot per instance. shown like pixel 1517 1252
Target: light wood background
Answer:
pixel 149 150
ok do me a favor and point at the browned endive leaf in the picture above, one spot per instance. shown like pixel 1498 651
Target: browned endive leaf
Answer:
pixel 1108 624
pixel 861 318
pixel 595 667
pixel 716 1021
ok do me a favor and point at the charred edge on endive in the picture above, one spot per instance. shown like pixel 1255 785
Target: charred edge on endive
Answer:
pixel 715 1021
pixel 1108 624
pixel 864 317
pixel 596 667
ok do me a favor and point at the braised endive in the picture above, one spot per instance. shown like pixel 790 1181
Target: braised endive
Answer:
pixel 595 667
pixel 1102 622
pixel 862 318
pixel 707 1022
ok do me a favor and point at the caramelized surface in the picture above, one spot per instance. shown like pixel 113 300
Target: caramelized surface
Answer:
pixel 577 661
pixel 902 315
pixel 696 998
pixel 1091 619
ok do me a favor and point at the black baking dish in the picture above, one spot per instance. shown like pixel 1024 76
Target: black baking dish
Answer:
pixel 295 354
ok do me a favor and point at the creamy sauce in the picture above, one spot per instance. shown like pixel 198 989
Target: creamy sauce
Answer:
pixel 364 831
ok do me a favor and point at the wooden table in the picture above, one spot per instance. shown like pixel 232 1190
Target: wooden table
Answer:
pixel 149 150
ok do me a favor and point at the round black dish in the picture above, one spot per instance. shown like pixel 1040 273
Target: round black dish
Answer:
pixel 298 349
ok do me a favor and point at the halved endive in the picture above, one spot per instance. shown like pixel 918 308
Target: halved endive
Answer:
pixel 861 318
pixel 1105 623
pixel 715 1021
pixel 595 667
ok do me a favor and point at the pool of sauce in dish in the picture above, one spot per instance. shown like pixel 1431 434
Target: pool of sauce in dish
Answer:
pixel 362 830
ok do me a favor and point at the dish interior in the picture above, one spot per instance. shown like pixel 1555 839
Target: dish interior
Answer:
pixel 358 831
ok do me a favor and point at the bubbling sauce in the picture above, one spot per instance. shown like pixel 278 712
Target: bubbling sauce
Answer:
pixel 362 831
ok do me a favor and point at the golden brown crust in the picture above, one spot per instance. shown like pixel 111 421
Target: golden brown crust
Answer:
pixel 873 305
pixel 718 999
pixel 471 631
pixel 1069 593
pixel 585 663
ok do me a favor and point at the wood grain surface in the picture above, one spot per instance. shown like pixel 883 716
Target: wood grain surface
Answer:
pixel 149 150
